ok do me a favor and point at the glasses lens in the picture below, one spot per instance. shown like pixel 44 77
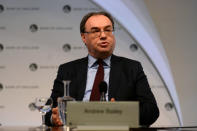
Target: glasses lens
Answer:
pixel 97 34
pixel 107 32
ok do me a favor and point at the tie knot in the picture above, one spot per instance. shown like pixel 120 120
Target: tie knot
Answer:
pixel 100 61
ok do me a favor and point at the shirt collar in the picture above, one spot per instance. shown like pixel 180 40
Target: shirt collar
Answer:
pixel 92 60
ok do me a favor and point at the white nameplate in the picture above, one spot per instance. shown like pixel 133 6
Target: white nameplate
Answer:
pixel 103 114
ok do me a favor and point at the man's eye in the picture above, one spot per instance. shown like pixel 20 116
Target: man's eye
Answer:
pixel 108 30
pixel 95 31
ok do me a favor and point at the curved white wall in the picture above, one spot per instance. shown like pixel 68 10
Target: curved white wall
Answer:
pixel 134 16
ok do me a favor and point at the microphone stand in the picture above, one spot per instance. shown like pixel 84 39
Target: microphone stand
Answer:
pixel 103 97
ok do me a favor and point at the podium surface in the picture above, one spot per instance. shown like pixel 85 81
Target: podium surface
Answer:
pixel 33 128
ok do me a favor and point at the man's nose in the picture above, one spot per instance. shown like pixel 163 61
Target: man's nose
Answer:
pixel 103 35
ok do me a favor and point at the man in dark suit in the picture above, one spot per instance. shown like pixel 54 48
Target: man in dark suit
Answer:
pixel 125 78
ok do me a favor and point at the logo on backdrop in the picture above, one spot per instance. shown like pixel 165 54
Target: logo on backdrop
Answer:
pixel 33 28
pixel 1 87
pixel 66 9
pixel 87 9
pixel 2 28
pixel 16 8
pixel 133 47
pixel 2 67
pixel 169 106
pixel 1 8
pixel 33 66
pixel 1 47
pixel 1 107
pixel 66 47
pixel 32 106
pixel 21 47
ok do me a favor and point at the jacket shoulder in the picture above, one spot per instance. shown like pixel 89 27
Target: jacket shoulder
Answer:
pixel 74 63
pixel 125 60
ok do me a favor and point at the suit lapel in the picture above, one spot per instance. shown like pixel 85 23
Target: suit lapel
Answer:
pixel 82 73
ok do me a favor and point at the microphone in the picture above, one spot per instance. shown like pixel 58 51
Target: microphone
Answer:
pixel 103 90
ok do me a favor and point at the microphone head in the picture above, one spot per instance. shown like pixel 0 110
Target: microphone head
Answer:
pixel 103 87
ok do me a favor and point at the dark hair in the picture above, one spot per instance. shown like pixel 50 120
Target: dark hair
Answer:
pixel 87 16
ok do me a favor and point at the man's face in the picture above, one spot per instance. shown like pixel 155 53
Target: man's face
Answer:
pixel 100 45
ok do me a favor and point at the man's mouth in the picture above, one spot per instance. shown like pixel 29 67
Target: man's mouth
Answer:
pixel 103 44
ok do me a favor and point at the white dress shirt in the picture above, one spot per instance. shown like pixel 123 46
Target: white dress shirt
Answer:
pixel 92 69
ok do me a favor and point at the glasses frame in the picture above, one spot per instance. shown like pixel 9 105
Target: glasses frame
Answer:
pixel 98 33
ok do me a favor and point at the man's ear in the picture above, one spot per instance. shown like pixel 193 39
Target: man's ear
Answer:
pixel 83 37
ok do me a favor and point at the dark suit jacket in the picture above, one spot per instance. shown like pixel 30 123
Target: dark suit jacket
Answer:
pixel 127 82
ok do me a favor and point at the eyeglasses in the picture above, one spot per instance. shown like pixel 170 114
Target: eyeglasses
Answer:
pixel 97 33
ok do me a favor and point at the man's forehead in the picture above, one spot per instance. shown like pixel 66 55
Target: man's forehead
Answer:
pixel 98 21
